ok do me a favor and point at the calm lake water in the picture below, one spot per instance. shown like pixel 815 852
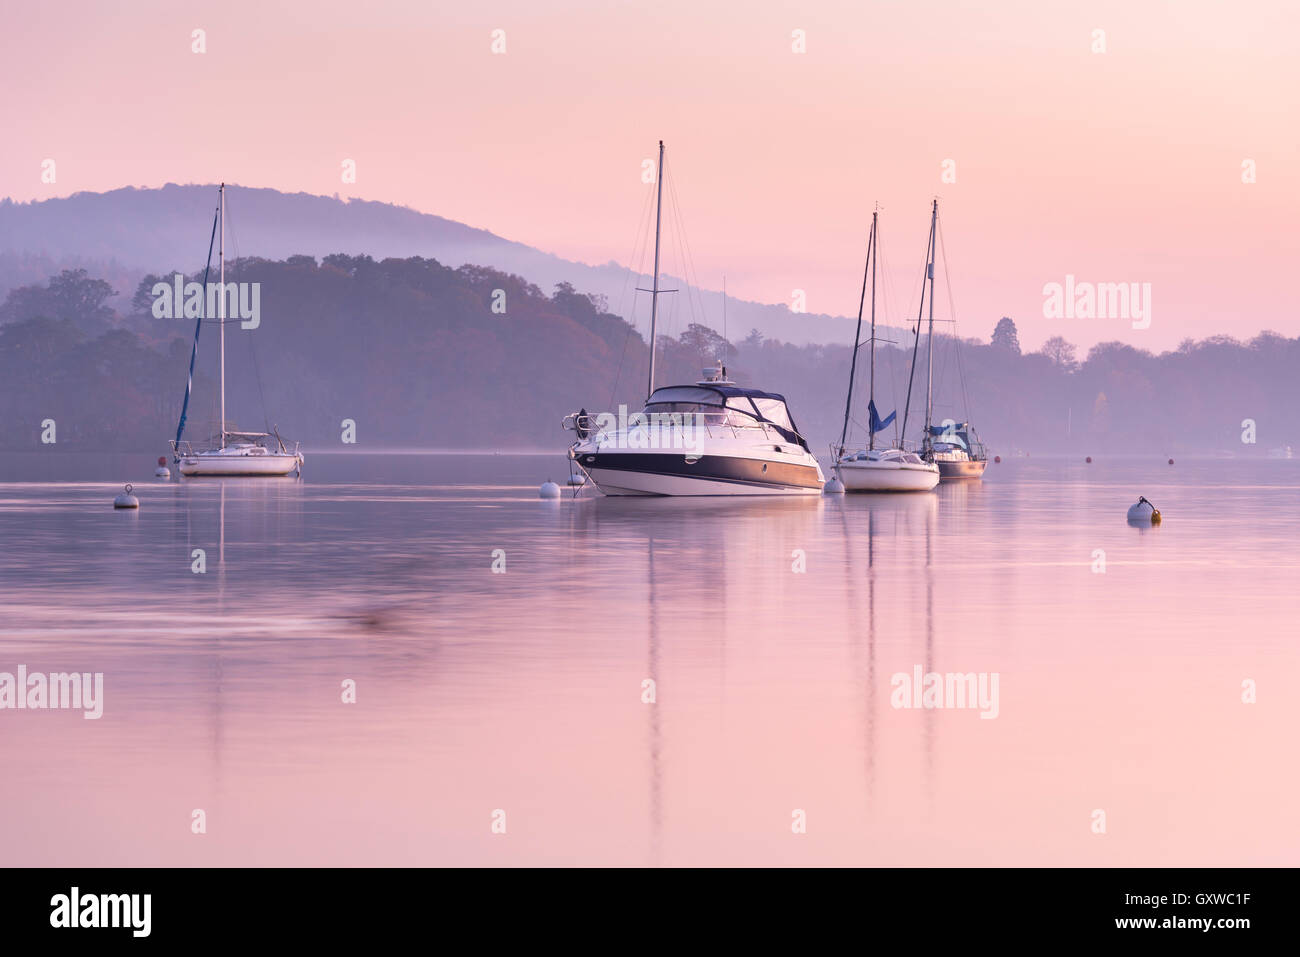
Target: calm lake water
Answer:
pixel 1120 653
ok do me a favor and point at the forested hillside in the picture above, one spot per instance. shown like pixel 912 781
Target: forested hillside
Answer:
pixel 415 354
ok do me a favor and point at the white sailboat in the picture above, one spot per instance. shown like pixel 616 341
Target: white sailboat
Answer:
pixel 951 446
pixel 228 452
pixel 872 469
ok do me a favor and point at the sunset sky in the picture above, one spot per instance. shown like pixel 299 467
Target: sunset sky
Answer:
pixel 1122 166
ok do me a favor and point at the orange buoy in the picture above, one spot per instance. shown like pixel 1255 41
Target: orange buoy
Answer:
pixel 1171 461
pixel 1088 460
pixel 997 458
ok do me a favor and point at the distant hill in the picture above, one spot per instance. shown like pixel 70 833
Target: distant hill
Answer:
pixel 124 233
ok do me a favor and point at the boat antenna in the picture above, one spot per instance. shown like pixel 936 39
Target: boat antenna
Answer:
pixel 857 334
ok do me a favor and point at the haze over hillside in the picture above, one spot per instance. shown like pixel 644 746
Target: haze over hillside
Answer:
pixel 417 354
pixel 124 233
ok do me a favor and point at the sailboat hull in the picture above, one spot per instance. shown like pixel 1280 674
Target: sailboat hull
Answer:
pixel 887 477
pixel 219 463
pixel 965 469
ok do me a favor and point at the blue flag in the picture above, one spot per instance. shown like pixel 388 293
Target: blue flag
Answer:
pixel 876 424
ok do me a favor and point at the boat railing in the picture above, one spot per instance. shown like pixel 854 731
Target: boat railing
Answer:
pixel 585 425
pixel 185 449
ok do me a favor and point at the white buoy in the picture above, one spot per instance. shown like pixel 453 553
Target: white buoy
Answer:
pixel 577 479
pixel 162 471
pixel 126 500
pixel 833 486
pixel 549 490
pixel 1144 513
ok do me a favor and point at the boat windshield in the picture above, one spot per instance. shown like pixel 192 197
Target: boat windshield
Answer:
pixel 725 407
pixel 702 413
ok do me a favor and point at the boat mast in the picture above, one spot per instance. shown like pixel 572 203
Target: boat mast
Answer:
pixel 221 317
pixel 654 292
pixel 857 334
pixel 916 341
pixel 929 344
pixel 871 381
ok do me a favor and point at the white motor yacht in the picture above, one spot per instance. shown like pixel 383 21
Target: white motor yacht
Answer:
pixel 710 438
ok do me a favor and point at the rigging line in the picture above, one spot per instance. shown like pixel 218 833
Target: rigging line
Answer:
pixel 857 336
pixel 639 241
pixel 674 235
pixel 194 350
pixel 929 242
pixel 956 339
pixel 633 261
pixel 694 292
pixel 252 352
pixel 887 298
pixel 691 275
pixel 677 234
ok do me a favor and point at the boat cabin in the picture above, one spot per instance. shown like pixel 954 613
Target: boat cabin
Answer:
pixel 727 404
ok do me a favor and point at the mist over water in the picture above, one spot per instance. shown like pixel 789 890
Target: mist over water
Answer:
pixel 522 691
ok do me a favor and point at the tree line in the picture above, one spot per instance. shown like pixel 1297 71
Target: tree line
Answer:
pixel 422 355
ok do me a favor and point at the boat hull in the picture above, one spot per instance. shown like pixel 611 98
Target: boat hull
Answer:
pixel 238 464
pixel 632 473
pixel 886 477
pixel 967 469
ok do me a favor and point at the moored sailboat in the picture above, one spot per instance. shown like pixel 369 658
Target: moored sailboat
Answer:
pixel 872 469
pixel 952 447
pixel 228 451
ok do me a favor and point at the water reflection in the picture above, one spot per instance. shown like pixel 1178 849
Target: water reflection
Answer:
pixel 771 630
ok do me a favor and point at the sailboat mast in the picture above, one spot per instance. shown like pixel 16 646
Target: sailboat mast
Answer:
pixel 871 381
pixel 221 317
pixel 857 334
pixel 916 341
pixel 929 345
pixel 654 293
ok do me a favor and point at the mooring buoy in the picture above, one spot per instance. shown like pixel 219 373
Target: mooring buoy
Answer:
pixel 126 500
pixel 1144 513
pixel 549 490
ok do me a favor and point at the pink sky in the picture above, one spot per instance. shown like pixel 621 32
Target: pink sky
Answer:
pixel 1123 166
